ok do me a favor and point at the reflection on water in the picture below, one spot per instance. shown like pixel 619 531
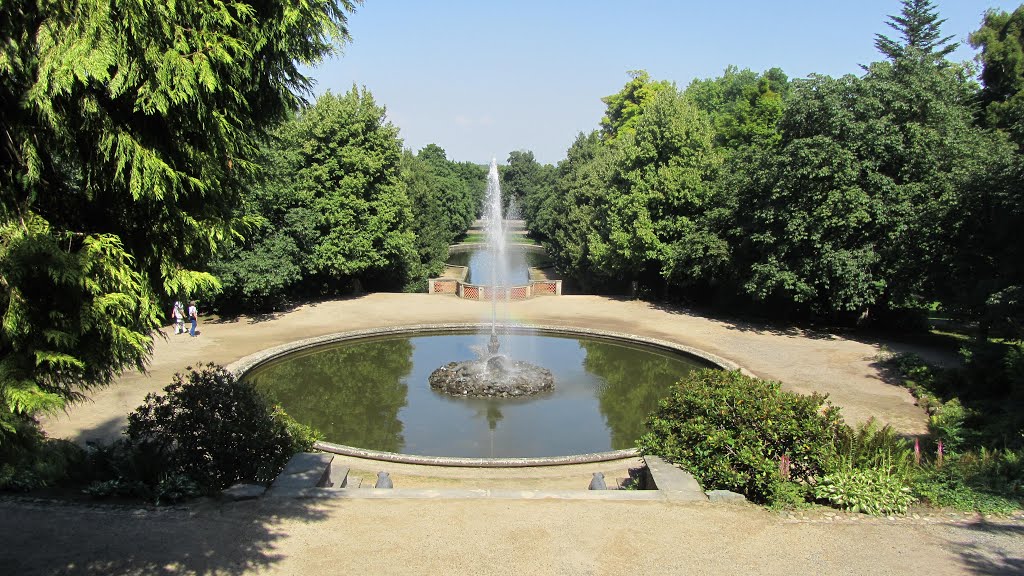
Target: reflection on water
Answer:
pixel 374 394
pixel 481 261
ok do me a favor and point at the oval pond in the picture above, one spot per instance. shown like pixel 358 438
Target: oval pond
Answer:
pixel 373 393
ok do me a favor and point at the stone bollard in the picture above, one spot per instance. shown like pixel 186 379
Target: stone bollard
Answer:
pixel 597 482
pixel 383 480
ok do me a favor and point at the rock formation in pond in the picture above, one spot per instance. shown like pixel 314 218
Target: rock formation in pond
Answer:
pixel 492 376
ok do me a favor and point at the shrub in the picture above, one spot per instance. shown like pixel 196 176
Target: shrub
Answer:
pixel 127 469
pixel 871 471
pixel 949 424
pixel 731 432
pixel 989 481
pixel 213 429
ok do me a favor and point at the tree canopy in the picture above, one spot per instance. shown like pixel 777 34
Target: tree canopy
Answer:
pixel 873 197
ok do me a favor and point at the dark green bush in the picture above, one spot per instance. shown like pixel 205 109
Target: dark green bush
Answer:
pixel 30 460
pixel 213 429
pixel 731 431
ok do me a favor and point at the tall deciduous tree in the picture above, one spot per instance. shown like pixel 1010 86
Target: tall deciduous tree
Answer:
pixel 335 189
pixel 527 184
pixel 623 107
pixel 745 107
pixel 632 197
pixel 1001 39
pixel 124 130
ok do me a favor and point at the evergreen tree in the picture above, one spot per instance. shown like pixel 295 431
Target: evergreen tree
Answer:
pixel 127 129
pixel 919 26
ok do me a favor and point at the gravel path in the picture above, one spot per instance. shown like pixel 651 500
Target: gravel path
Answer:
pixel 492 537
pixel 548 536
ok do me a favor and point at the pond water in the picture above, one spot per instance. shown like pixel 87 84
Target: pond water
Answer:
pixel 373 393
pixel 481 261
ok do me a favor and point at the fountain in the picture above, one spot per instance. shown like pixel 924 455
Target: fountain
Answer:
pixel 493 374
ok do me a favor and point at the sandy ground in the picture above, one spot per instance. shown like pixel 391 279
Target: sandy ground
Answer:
pixel 546 536
pixel 563 537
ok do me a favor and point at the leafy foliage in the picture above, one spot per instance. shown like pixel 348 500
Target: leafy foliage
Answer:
pixel 29 460
pixel 1001 39
pixel 988 481
pixel 634 199
pixel 445 197
pixel 975 406
pixel 625 107
pixel 211 428
pixel 526 185
pixel 869 490
pixel 731 431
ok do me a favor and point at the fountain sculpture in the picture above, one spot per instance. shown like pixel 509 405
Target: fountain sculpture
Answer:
pixel 493 374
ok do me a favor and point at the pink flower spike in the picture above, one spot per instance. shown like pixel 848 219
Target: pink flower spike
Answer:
pixel 917 451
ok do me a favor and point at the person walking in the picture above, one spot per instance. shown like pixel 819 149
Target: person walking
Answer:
pixel 179 317
pixel 193 315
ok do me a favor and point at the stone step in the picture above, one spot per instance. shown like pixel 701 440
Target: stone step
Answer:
pixel 309 470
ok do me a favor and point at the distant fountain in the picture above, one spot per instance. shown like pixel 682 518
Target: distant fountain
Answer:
pixel 493 374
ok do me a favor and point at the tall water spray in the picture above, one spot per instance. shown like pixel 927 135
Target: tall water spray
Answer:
pixel 493 374
pixel 494 228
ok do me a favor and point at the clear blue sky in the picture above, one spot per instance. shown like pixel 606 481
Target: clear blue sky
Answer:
pixel 482 78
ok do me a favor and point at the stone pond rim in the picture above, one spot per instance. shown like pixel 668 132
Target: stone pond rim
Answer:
pixel 243 365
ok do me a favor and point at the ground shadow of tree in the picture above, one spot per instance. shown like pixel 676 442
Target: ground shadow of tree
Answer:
pixel 989 555
pixel 749 323
pixel 107 432
pixel 76 539
pixel 936 349
pixel 257 317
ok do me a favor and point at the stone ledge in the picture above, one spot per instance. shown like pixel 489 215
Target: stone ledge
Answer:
pixel 473 494
pixel 672 481
pixel 726 496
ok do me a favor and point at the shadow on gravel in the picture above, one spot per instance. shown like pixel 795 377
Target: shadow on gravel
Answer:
pixel 748 324
pixel 106 432
pixel 50 538
pixel 935 350
pixel 989 554
pixel 260 317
